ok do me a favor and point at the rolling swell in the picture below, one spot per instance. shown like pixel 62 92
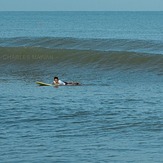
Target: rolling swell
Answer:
pixel 96 53
pixel 140 46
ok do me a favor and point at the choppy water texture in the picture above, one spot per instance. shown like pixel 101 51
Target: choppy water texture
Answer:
pixel 116 113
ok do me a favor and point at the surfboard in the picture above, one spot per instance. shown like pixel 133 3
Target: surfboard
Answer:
pixel 43 84
pixel 46 84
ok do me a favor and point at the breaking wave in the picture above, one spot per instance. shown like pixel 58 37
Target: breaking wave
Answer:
pixel 96 53
pixel 140 46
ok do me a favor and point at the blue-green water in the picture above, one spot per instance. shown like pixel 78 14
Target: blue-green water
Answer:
pixel 114 116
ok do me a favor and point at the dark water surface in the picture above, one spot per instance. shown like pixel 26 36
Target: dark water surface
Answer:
pixel 116 113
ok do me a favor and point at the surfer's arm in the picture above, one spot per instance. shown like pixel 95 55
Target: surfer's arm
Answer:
pixel 62 83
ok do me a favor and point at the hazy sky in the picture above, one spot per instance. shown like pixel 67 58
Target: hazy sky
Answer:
pixel 81 5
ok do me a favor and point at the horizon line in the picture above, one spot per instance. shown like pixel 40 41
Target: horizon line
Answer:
pixel 81 10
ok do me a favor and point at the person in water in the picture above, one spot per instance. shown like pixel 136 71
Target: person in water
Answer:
pixel 57 81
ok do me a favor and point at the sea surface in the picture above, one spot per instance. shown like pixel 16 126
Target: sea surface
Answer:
pixel 115 115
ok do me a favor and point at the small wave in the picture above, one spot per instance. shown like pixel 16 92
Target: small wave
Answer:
pixel 94 59
pixel 140 46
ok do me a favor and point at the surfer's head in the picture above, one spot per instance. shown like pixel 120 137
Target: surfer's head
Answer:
pixel 56 79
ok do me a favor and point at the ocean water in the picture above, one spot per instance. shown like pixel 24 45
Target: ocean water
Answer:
pixel 115 115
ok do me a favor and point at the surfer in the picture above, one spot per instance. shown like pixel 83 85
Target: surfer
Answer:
pixel 57 81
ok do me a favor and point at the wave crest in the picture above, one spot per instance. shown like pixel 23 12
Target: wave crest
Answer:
pixel 96 59
pixel 140 46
